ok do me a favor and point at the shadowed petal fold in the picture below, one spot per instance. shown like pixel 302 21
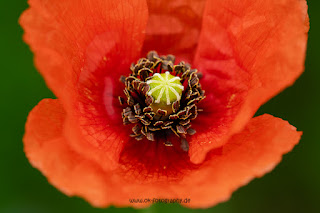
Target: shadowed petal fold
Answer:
pixel 174 27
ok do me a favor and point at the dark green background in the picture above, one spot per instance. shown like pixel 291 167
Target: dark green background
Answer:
pixel 294 186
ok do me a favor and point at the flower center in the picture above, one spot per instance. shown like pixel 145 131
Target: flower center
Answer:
pixel 165 89
pixel 161 99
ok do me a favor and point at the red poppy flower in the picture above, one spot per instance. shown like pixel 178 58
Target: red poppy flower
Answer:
pixel 247 51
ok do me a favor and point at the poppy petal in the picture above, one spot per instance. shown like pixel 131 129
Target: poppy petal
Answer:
pixel 262 43
pixel 82 48
pixel 60 33
pixel 48 151
pixel 247 155
pixel 251 153
pixel 174 27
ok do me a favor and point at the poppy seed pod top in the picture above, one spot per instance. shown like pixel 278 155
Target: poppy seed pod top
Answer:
pixel 165 89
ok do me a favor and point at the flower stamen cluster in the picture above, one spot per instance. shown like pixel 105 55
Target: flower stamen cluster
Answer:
pixel 161 99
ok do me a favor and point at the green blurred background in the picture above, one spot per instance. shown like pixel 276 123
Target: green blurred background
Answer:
pixel 294 186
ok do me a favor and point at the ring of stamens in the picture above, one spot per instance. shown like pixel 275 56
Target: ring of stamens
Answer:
pixel 161 99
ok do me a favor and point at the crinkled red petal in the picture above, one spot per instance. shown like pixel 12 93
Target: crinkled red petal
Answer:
pixel 48 150
pixel 248 51
pixel 82 48
pixel 249 154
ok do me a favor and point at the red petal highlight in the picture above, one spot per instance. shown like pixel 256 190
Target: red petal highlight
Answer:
pixel 174 27
pixel 263 43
